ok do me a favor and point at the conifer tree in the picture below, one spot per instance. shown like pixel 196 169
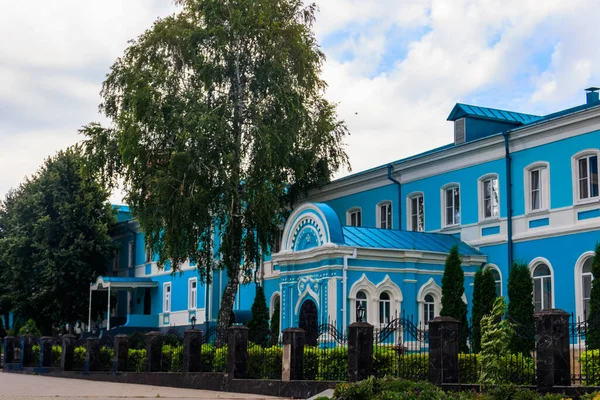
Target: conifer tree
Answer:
pixel 275 318
pixel 484 295
pixel 259 324
pixel 593 336
pixel 453 288
pixel 496 334
pixel 521 309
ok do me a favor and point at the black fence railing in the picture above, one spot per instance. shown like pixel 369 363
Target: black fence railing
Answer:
pixel 585 360
pixel 327 360
pixel 265 354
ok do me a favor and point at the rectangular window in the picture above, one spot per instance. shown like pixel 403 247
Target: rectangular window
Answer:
pixel 167 297
pixel 192 294
pixel 417 214
pixel 535 177
pixel 356 218
pixel 588 177
pixel 130 252
pixel 452 204
pixel 491 207
pixel 385 216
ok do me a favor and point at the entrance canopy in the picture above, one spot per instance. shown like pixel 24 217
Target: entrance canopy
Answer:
pixel 118 282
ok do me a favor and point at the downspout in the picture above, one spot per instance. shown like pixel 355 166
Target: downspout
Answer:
pixel 391 178
pixel 345 289
pixel 509 210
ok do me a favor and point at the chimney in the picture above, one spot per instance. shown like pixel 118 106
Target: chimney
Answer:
pixel 592 94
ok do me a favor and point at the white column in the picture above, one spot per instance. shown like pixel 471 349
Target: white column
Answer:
pixel 108 312
pixel 90 312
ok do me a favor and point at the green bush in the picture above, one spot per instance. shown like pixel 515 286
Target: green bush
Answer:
pixel 79 357
pixel 325 364
pixel 264 363
pixel 590 367
pixel 30 329
pixel 35 354
pixel 176 359
pixel 136 360
pixel 56 354
pixel 468 368
pixel 107 356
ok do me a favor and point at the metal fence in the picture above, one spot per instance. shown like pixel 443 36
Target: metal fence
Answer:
pixel 585 359
pixel 265 354
pixel 327 359
pixel 213 359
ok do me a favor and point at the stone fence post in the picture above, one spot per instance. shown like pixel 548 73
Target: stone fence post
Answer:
pixel 154 343
pixel 237 351
pixel 26 344
pixel 553 361
pixel 92 354
pixel 292 366
pixel 68 349
pixel 360 351
pixel 443 350
pixel 45 351
pixel 121 357
pixel 9 349
pixel 192 347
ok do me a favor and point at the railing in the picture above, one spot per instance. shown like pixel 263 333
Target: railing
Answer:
pixel 264 355
pixel 328 360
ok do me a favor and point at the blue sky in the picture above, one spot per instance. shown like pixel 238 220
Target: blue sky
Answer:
pixel 395 67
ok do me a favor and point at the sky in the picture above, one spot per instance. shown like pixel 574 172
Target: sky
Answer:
pixel 394 67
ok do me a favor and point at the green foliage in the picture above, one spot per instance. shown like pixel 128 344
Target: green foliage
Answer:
pixel 496 333
pixel 137 360
pixel 593 335
pixel 264 363
pixel 258 326
pixel 55 241
pixel 30 329
pixel 214 359
pixel 484 294
pixel 521 309
pixel 79 357
pixel 453 288
pixel 590 367
pixel 330 364
pixel 275 317
pixel 35 354
pixel 219 122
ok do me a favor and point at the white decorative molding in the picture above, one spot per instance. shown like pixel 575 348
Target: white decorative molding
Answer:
pixel 433 289
pixel 541 260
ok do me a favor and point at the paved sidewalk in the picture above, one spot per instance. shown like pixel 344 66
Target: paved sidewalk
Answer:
pixel 27 387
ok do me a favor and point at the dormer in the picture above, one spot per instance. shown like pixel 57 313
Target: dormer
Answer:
pixel 474 122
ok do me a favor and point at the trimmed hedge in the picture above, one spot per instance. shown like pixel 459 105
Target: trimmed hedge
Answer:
pixel 326 364
pixel 590 367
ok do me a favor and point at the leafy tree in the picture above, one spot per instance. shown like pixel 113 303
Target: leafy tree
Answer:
pixel 218 125
pixel 496 333
pixel 521 309
pixel 30 329
pixel 259 324
pixel 453 288
pixel 593 331
pixel 484 295
pixel 55 242
pixel 275 317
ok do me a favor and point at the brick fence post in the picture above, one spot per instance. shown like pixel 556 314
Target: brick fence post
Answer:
pixel 154 343
pixel 121 357
pixel 237 351
pixel 192 346
pixel 443 350
pixel 92 354
pixel 45 351
pixel 292 366
pixel 68 349
pixel 360 351
pixel 553 361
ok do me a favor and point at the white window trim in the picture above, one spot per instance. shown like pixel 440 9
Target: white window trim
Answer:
pixel 480 199
pixel 190 305
pixel 366 286
pixel 166 309
pixel 494 266
pixel 433 289
pixel 274 296
pixel 575 175
pixel 350 212
pixel 378 213
pixel 447 186
pixel 409 210
pixel 532 265
pixel 544 168
pixel 387 285
pixel 578 287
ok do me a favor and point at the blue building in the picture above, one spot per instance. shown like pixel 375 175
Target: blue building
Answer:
pixel 510 187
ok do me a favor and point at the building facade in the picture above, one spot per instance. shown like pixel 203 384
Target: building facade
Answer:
pixel 512 187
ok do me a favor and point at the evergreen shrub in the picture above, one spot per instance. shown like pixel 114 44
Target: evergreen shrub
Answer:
pixel 453 288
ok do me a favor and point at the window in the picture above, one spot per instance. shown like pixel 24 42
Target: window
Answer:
pixel 498 280
pixel 116 261
pixel 167 297
pixel 130 252
pixel 537 187
pixel 384 308
pixel 586 286
pixel 361 300
pixel 428 309
pixel 535 177
pixel 416 209
pixel 451 203
pixel 587 177
pixel 542 287
pixel 385 215
pixel 490 200
pixel 192 294
pixel 354 217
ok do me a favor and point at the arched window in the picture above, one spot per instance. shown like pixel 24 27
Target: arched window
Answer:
pixel 586 286
pixel 542 287
pixel 498 280
pixel 428 309
pixel 451 205
pixel 384 308
pixel 354 217
pixel 489 197
pixel 384 215
pixel 361 300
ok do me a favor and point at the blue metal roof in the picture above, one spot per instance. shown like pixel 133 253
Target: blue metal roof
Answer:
pixel 405 240
pixel 463 110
